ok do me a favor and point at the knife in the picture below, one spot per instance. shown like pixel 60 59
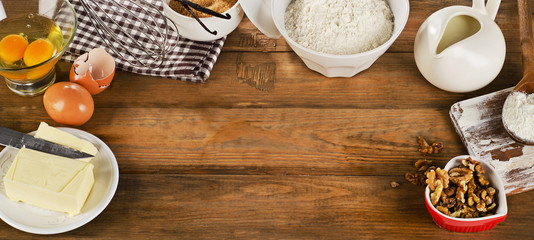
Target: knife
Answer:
pixel 10 137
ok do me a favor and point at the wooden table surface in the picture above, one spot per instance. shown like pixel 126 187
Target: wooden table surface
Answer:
pixel 268 149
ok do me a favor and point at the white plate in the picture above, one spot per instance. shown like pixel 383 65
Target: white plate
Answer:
pixel 37 220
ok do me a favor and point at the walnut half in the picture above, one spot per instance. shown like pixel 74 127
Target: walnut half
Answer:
pixel 422 165
pixel 424 147
pixel 415 178
pixel 460 176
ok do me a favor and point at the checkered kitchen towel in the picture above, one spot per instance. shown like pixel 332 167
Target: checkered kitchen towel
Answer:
pixel 188 61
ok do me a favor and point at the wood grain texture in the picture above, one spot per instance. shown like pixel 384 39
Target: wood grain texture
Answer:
pixel 394 75
pixel 525 35
pixel 268 149
pixel 526 84
pixel 274 207
pixel 478 121
pixel 264 141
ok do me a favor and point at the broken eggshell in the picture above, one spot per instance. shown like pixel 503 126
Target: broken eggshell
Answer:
pixel 93 70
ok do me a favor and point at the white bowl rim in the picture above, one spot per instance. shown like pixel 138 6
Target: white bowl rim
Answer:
pixel 390 41
pixel 502 200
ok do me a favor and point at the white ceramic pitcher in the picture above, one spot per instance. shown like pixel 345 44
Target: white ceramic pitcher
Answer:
pixel 460 48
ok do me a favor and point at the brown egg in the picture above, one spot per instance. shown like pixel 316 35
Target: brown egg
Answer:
pixel 93 70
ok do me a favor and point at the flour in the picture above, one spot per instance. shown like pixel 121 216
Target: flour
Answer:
pixel 469 118
pixel 518 115
pixel 339 26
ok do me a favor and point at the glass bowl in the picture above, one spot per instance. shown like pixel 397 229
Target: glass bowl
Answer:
pixel 31 20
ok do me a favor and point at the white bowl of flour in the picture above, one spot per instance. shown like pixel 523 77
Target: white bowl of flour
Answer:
pixel 340 38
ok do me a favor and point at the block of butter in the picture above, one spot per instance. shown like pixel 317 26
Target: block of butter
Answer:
pixel 50 181
pixel 64 138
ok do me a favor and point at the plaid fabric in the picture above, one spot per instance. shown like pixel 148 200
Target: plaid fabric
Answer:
pixel 185 59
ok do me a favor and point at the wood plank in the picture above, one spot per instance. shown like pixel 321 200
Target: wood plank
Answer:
pixel 262 141
pixel 293 85
pixel 268 149
pixel 478 121
pixel 246 37
pixel 275 207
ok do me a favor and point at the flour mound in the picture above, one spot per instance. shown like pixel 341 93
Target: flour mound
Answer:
pixel 518 115
pixel 339 27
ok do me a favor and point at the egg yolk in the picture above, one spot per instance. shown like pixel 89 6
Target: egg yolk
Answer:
pixel 12 48
pixel 38 51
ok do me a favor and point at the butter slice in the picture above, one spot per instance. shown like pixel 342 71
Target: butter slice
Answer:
pixel 49 181
pixel 66 139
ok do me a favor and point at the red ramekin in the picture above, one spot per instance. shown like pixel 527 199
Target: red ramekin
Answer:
pixel 471 224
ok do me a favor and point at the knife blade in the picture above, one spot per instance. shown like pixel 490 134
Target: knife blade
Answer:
pixel 10 137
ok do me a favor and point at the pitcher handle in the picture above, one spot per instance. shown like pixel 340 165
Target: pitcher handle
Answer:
pixel 491 8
